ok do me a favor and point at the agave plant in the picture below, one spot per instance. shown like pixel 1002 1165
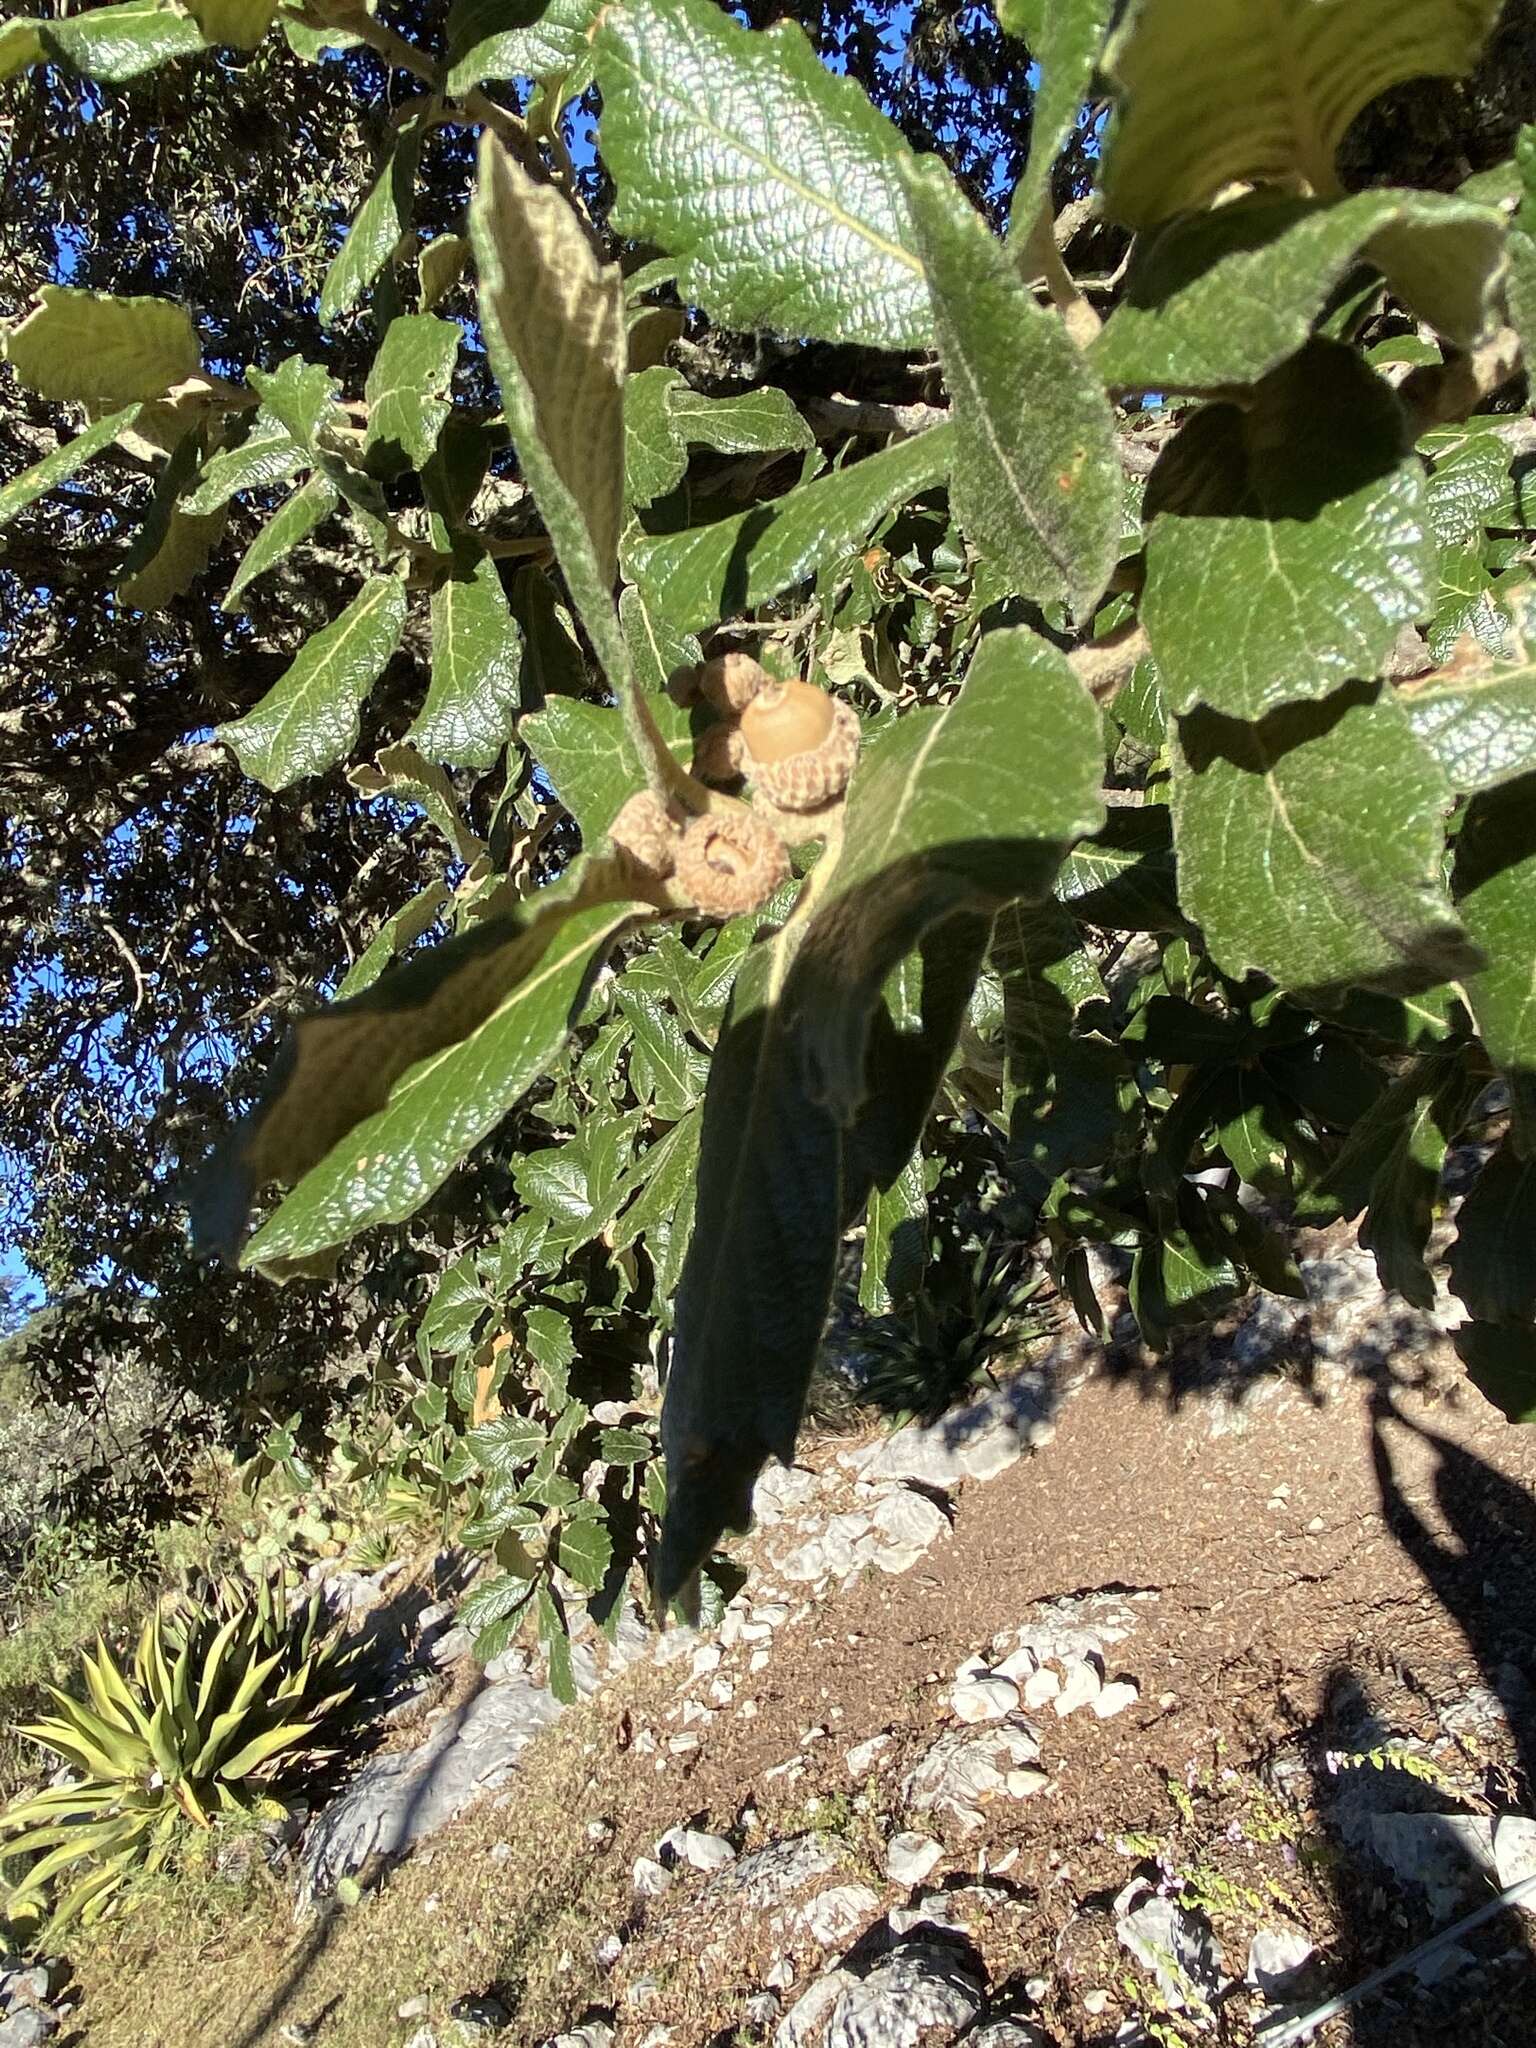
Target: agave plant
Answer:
pixel 225 1694
pixel 917 1363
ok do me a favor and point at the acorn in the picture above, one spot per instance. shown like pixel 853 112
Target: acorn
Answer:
pixel 717 755
pixel 646 836
pixel 731 682
pixel 798 744
pixel 730 863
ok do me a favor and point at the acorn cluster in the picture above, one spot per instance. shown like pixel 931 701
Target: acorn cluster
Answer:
pixel 792 743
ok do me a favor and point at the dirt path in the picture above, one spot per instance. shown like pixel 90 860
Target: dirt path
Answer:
pixel 1318 1571
pixel 1326 1578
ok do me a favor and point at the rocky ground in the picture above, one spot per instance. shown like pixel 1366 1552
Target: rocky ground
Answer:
pixel 1143 1701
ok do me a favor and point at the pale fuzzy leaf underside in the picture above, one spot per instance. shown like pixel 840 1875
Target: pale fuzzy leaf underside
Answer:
pixel 1217 91
pixel 554 327
pixel 100 349
pixel 1036 479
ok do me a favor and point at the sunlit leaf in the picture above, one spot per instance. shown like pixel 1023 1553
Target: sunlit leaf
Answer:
pixel 774 184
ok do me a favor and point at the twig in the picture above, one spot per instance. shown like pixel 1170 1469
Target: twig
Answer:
pixel 1041 257
pixel 840 415
pixel 394 49
pixel 123 947
pixel 1439 394
pixel 1103 665
pixel 1299 2030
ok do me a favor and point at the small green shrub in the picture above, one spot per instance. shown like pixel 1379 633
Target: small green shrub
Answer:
pixel 223 1696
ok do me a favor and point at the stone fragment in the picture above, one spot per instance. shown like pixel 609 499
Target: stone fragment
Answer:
pixel 1176 1946
pixel 1008 2034
pixel 773 1876
pixel 908 1525
pixel 1082 1688
pixel 910 1858
pixel 27 2027
pixel 1278 1958
pixel 987 1698
pixel 805 2023
pixel 836 1916
pixel 399 1800
pixel 966 1767
pixel 1114 1698
pixel 863 1756
pixel 1018 1665
pixel 922 1996
pixel 1041 1687
pixel 650 1878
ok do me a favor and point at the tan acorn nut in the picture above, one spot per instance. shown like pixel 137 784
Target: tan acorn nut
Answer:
pixel 798 744
pixel 730 863
pixel 647 836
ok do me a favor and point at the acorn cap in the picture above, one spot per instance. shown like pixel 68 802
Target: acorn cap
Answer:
pixel 731 681
pixel 717 754
pixel 799 745
pixel 647 835
pixel 730 863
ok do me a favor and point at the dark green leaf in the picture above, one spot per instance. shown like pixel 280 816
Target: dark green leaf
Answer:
pixel 1064 37
pixel 1493 1257
pixel 747 423
pixel 268 455
pixel 116 44
pixel 393 937
pixel 965 807
pixel 507 1445
pixel 1495 886
pixel 1310 845
pixel 458 1303
pixel 895 1241
pixel 1467 608
pixel 1477 716
pixel 624 1446
pixel 1223 297
pixel 586 1551
pixel 709 573
pixel 477 660
pixel 1391 1167
pixel 377 228
pixel 493 39
pixel 62 464
pixel 774 184
pixel 667 1070
pixel 654 457
pixel 586 753
pixel 1124 878
pixel 407 391
pixel 1289 544
pixel 557 1644
pixel 308 719
pixel 1501 1363
pixel 382 1096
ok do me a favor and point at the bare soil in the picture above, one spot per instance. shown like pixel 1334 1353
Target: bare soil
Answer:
pixel 1328 1561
